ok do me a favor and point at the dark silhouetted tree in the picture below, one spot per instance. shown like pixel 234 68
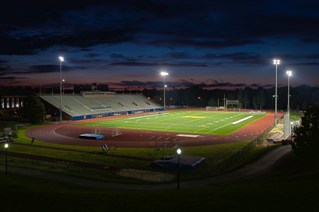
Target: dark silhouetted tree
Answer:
pixel 306 142
pixel 33 109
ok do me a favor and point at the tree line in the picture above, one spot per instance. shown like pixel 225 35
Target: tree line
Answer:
pixel 250 98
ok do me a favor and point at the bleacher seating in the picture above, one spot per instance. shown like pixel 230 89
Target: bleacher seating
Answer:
pixel 84 105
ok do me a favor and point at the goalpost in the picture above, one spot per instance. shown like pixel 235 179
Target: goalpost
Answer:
pixel 211 108
pixel 228 104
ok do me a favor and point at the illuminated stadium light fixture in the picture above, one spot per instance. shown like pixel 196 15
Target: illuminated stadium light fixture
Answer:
pixel 276 63
pixel 163 73
pixel 61 59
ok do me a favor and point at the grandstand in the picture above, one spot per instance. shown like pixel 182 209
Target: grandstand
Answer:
pixel 94 104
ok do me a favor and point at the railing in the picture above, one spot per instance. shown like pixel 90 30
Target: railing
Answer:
pixel 240 153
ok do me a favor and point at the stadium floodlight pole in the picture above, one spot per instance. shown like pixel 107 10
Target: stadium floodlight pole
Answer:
pixel 61 60
pixel 6 146
pixel 289 73
pixel 276 63
pixel 63 82
pixel 163 73
pixel 179 152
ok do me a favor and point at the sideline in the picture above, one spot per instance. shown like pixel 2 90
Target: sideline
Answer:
pixel 249 171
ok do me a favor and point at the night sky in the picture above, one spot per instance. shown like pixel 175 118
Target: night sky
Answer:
pixel 217 44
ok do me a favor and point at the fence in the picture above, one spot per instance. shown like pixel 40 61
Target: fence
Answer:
pixel 234 157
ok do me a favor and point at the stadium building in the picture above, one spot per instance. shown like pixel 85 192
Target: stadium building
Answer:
pixel 96 104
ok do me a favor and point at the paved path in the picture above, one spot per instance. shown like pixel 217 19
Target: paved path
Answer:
pixel 257 168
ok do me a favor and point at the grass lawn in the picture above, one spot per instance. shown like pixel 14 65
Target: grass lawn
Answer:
pixel 291 186
pixel 197 122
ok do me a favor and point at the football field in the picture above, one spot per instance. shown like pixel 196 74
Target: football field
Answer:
pixel 191 122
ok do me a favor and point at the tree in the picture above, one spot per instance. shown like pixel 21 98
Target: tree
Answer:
pixel 306 142
pixel 212 102
pixel 259 99
pixel 33 109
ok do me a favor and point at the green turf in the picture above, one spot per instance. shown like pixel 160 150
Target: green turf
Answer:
pixel 197 122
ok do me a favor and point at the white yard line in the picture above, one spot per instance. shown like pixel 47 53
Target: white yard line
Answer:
pixel 241 120
pixel 147 116
pixel 188 135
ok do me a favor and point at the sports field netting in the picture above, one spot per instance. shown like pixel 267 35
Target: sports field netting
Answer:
pixel 191 122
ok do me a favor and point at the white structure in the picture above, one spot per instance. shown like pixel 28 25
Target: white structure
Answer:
pixel 61 59
pixel 276 63
pixel 163 73
pixel 288 127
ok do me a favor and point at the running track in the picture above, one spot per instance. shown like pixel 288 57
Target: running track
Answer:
pixel 67 134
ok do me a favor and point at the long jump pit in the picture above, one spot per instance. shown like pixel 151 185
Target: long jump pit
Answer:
pixel 67 133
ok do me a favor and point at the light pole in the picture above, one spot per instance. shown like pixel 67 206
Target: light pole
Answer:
pixel 276 63
pixel 63 82
pixel 6 146
pixel 179 152
pixel 163 73
pixel 289 73
pixel 61 60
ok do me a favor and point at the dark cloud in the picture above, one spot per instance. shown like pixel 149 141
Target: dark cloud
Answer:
pixel 307 64
pixel 92 55
pixel 178 55
pixel 85 63
pixel 177 64
pixel 41 69
pixel 4 67
pixel 179 84
pixel 117 56
pixel 240 57
pixel 26 44
pixel 174 33
pixel 132 63
pixel 204 43
pixel 312 56
pixel 36 25
pixel 36 69
pixel 311 40
pixel 12 78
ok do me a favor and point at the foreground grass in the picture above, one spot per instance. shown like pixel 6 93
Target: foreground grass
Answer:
pixel 214 157
pixel 290 186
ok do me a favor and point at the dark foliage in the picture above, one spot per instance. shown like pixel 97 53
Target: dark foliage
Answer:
pixel 249 98
pixel 306 142
pixel 33 109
